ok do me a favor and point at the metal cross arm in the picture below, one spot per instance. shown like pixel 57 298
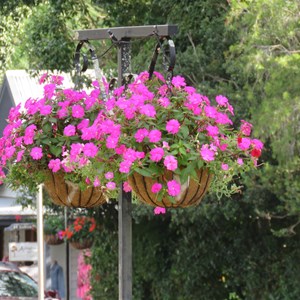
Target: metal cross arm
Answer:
pixel 126 32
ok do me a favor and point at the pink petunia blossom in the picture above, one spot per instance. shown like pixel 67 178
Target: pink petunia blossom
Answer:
pixel 54 165
pixel 166 145
pixel 210 112
pixel 109 175
pixel 141 134
pixel 221 100
pixel 240 161
pixel 9 151
pixel 36 153
pixel 156 154
pixel 148 110
pixel 126 187
pixel 49 90
pixel 125 166
pixel 178 81
pixel 90 150
pixel 170 162
pixel 112 141
pixel 206 153
pixel 154 136
pixel 46 110
pixel 224 167
pixel 173 126
pixel 20 155
pixel 257 144
pixel 77 111
pixel 244 143
pixel 246 128
pixel 111 185
pixel 156 187
pixel 164 101
pixel 212 130
pixel 70 130
pixel 174 188
pixel 96 182
pixel 76 149
pixel 159 210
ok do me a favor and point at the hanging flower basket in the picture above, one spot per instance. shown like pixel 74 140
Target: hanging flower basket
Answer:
pixel 63 192
pixel 82 244
pixel 52 239
pixel 191 192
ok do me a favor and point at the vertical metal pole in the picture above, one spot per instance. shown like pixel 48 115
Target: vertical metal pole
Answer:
pixel 40 238
pixel 67 259
pixel 125 204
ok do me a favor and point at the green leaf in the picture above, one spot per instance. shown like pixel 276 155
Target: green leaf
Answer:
pixel 144 172
pixel 55 150
pixel 185 131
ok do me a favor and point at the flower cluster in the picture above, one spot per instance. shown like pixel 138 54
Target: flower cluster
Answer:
pixel 53 224
pixel 56 132
pixel 82 228
pixel 150 127
pixel 170 127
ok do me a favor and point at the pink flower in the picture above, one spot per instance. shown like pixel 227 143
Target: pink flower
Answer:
pixel 156 154
pixel 170 162
pixel 90 150
pixel 9 151
pixel 112 141
pixel 69 130
pixel 77 111
pixel 244 143
pixel 257 144
pixel 159 210
pixel 223 119
pixel 125 166
pixel 221 100
pixel 173 126
pixel 109 175
pixel 173 188
pixel 141 134
pixel 210 112
pixel 36 153
pixel 156 187
pixel 178 81
pixel 111 185
pixel 148 110
pixel 54 165
pixel 164 101
pixel 126 187
pixel 212 130
pixel 43 78
pixel 206 153
pixel 49 90
pixel 246 128
pixel 46 110
pixel 240 161
pixel 159 76
pixel 20 155
pixel 154 136
pixel 96 182
pixel 224 167
pixel 166 145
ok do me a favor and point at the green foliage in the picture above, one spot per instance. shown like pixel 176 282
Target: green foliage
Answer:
pixel 215 251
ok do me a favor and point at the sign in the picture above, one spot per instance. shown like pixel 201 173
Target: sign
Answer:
pixel 23 251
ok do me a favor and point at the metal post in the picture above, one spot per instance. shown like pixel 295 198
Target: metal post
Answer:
pixel 40 238
pixel 125 204
pixel 67 258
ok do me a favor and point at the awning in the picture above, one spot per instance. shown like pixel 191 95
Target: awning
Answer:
pixel 20 226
